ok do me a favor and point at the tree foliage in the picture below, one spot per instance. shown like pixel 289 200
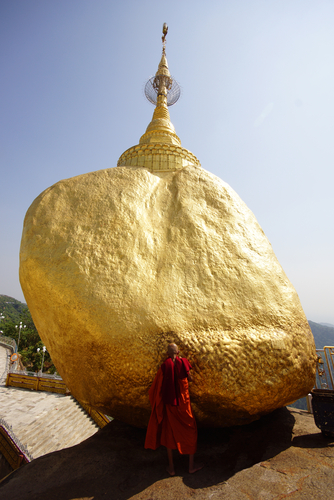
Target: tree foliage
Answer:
pixel 11 308
pixel 29 341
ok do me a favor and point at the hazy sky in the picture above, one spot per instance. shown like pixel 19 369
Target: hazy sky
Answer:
pixel 257 110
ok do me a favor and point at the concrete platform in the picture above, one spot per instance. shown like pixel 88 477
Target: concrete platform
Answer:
pixel 43 421
pixel 283 455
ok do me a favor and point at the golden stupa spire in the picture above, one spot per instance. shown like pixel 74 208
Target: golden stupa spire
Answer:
pixel 160 148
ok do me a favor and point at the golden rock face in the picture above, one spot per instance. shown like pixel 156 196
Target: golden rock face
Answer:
pixel 117 263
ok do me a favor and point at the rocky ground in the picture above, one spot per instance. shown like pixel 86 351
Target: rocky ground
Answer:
pixel 281 455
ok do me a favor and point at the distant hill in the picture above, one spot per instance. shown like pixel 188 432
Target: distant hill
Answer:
pixel 323 335
pixel 11 308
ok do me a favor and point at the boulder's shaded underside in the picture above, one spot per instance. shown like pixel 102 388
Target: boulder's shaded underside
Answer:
pixel 117 263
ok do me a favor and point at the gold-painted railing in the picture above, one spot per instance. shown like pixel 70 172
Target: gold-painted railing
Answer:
pixel 325 368
pixel 99 418
pixel 36 383
pixel 11 448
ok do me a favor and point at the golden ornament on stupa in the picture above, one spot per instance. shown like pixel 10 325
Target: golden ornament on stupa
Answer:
pixel 117 263
pixel 159 149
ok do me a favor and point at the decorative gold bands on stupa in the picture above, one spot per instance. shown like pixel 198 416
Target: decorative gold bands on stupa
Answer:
pixel 159 149
pixel 158 157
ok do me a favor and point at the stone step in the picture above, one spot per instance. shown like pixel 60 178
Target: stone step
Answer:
pixel 62 427
pixel 44 421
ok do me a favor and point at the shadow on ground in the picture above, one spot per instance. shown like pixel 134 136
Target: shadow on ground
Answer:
pixel 113 464
pixel 313 441
pixel 228 451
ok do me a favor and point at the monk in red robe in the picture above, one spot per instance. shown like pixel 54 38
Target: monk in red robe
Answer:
pixel 172 423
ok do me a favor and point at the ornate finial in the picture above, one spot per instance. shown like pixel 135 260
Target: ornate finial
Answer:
pixel 162 84
pixel 164 31
pixel 159 149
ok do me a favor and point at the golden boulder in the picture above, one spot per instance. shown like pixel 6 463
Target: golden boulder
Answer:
pixel 117 263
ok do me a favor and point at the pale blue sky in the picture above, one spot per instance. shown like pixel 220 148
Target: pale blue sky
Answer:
pixel 257 110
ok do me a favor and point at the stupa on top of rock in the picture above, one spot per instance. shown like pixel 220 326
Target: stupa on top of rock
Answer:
pixel 117 263
pixel 159 149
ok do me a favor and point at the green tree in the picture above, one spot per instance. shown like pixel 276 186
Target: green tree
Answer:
pixel 30 341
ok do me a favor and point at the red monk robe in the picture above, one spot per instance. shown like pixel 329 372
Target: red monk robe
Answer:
pixel 172 423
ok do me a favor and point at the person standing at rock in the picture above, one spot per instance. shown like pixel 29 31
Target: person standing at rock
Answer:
pixel 172 423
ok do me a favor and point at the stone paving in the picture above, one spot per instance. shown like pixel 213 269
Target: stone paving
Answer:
pixel 43 421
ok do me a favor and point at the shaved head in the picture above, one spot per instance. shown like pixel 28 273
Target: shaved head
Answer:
pixel 172 349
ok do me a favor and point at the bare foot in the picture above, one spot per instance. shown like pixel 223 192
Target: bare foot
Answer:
pixel 195 468
pixel 171 472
